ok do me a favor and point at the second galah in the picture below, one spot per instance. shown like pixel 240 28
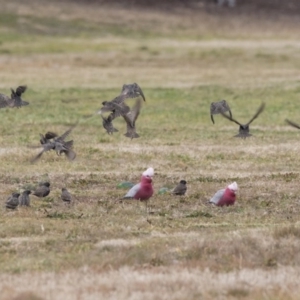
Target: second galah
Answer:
pixel 225 196
pixel 143 190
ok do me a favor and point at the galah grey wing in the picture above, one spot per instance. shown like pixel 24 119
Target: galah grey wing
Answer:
pixel 217 196
pixel 132 192
pixel 259 111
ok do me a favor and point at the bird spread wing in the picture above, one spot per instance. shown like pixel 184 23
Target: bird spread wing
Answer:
pixel 132 192
pixel 259 111
pixel 108 125
pixel 230 118
pixel 217 196
pixel 64 135
pixel 218 107
pixel 46 147
pixel 21 89
pixel 293 124
pixel 130 119
pixel 70 154
pixel 132 91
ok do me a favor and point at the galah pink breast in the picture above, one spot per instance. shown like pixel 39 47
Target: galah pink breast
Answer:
pixel 143 190
pixel 225 196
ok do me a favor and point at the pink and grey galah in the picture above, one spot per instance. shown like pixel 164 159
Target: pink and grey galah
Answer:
pixel 225 196
pixel 143 190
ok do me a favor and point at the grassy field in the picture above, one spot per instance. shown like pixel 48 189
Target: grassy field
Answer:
pixel 75 56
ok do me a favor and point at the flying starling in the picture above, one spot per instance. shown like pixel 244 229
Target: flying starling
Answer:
pixel 24 199
pixel 15 99
pixel 130 119
pixel 180 189
pixel 42 190
pixel 117 105
pixel 244 130
pixel 50 141
pixel 12 201
pixel 219 107
pixel 65 195
pixel 108 125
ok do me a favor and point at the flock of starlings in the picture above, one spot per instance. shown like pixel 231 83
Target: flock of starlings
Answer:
pixel 118 108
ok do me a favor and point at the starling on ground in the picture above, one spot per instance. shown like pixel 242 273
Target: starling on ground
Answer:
pixel 12 201
pixel 180 189
pixel 130 119
pixel 244 130
pixel 15 99
pixel 219 107
pixel 24 199
pixel 42 190
pixel 65 195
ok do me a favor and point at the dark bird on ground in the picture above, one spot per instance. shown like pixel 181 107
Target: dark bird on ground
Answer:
pixel 180 189
pixel 130 119
pixel 244 130
pixel 24 199
pixel 50 141
pixel 15 99
pixel 219 107
pixel 12 201
pixel 292 124
pixel 65 195
pixel 42 190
